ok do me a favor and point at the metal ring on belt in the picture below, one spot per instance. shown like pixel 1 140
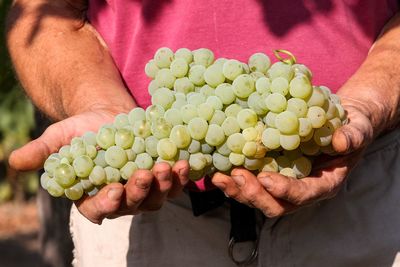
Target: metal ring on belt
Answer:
pixel 249 259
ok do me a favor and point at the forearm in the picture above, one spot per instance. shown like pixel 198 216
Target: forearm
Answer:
pixel 376 85
pixel 61 62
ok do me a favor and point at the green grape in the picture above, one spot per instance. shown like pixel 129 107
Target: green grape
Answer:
pixel 75 192
pixel 44 178
pixel 144 161
pixel 215 102
pixel 153 86
pixel 142 129
pixel 253 164
pixel 136 114
pixel 196 75
pixel 183 85
pixel 225 93
pixel 179 67
pixel 218 118
pixel 235 142
pixel 64 175
pixel 51 164
pixel 317 97
pixel 169 162
pixel 289 172
pixel 207 90
pixel 124 137
pixel 309 148
pixel 336 123
pixel 112 175
pixel 283 162
pixel 330 110
pixel 195 99
pixel 280 85
pixel 198 128
pixel 130 154
pixel 302 167
pixel 166 149
pixel 341 111
pixel 249 149
pixel 317 116
pixel 180 135
pixel 243 86
pixel 54 188
pixel 214 76
pixel 220 61
pixel 256 75
pixel 100 159
pixel 271 138
pixel 269 119
pixel 160 128
pixel 91 151
pixel 246 68
pixel 197 161
pixel 307 137
pixel 206 148
pixel 165 78
pixel 184 53
pixel 297 106
pixel 246 118
pixel 270 165
pixel 205 111
pixel 178 104
pixel 289 142
pixel 230 126
pixel 276 102
pixel 305 127
pixel 87 186
pixel 323 135
pixel 151 146
pixel 78 149
pixel 335 99
pixel 232 110
pixel 251 134
pixel 65 152
pixel 326 91
pixel 194 147
pixel 98 175
pixel 300 69
pixel 138 145
pixel 163 97
pixel 188 112
pixel 221 162
pixel 173 116
pixel 259 62
pixel 224 149
pixel 151 69
pixel 232 68
pixel 263 85
pixel 89 138
pixel 280 69
pixel 203 56
pixel 75 140
pixel 287 122
pixel 236 159
pixel 254 101
pixel 242 102
pixel 300 87
pixel 83 165
pixel 105 137
pixel 154 111
pixel 163 57
pixel 215 135
pixel 115 157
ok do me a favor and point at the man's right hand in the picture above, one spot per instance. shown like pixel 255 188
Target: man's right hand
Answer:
pixel 145 190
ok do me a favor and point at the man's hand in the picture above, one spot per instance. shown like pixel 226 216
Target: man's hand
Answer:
pixel 145 190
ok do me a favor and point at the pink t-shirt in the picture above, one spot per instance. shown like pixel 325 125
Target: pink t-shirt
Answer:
pixel 332 37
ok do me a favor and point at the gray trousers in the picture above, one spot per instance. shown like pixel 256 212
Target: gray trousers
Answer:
pixel 358 227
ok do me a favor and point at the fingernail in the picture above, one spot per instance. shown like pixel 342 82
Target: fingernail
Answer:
pixel 140 183
pixel 239 179
pixel 183 172
pixel 114 194
pixel 163 176
pixel 221 186
pixel 266 181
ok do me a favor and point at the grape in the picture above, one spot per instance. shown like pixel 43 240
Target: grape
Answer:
pixel 205 111
pixel 220 61
pixel 197 161
pixel 298 106
pixel 184 53
pixel 289 142
pixel 91 151
pixel 280 85
pixel 89 138
pixel 317 97
pixel 221 162
pixel 163 57
pixel 289 172
pixel 305 127
pixel 280 69
pixel 256 75
pixel 253 164
pixel 203 56
pixel 317 116
pixel 270 165
pixel 250 134
pixel 302 167
pixel 183 85
pixel 259 62
pixel 78 149
pixel 112 175
pixel 196 75
pixel 269 119
pixel 271 138
pixel 183 155
pixel 330 110
pixel 283 162
pixel 225 93
pixel 83 165
pixel 173 116
pixel 151 69
pixel 140 129
pixel 309 148
pixel 44 178
pixel 153 112
pixel 326 91
pixel 206 90
pixel 206 148
pixel 236 159
pixel 153 86
pixel 100 159
pixel 243 85
pixel 195 98
pixel 144 161
pixel 235 142
pixel 287 122
pixel 75 192
pixel 232 69
pixel 254 101
pixel 300 87
pixel 341 112
pixel 130 154
pixel 242 102
pixel 300 69
pixel 64 175
pixel 87 186
pixel 54 188
pixel 180 135
pixel 249 149
pixel 151 146
pixel 179 67
pixel 323 135
pixel 138 145
pixel 97 176
pixel 246 68
pixel 246 118
pixel 215 135
pixel 136 114
pixel 198 128
pixel 276 102
pixel 163 97
pixel 166 149
pixel 263 85
pixel 224 149
pixel 65 153
pixel 51 164
pixel 194 146
pixel 232 110
pixel 215 102
pixel 214 76
pixel 124 137
pixel 230 126
pixel 160 128
pixel 116 157
pixel 165 78
pixel 218 117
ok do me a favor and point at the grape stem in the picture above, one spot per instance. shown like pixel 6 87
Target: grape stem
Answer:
pixel 290 60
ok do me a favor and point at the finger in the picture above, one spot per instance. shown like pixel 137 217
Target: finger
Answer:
pixel 104 203
pixel 159 189
pixel 180 177
pixel 137 189
pixel 227 185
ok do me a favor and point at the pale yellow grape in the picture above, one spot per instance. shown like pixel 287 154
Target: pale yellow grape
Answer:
pixel 336 123
pixel 163 97
pixel 218 117
pixel 165 78
pixel 276 102
pixel 232 68
pixel 54 188
pixel 253 103
pixel 65 151
pixel 263 85
pixel 208 158
pixel 180 96
pixel 243 86
pixel 121 120
pixel 249 149
pixel 152 87
pixel 180 135
pixel 235 142
pixel 300 87
pixel 184 53
pixel 225 93
pixel 83 165
pixel 166 149
pixel 323 135
pixel 335 99
pixel 271 138
pixel 128 170
pixel 105 137
pixel 246 68
pixel 173 116
pixel 256 75
pixel 259 62
pixel 289 172
pixel 179 67
pixel 298 106
pixel 130 154
pixel 183 85
pixel 269 119
pixel 194 147
pixel 289 142
pixel 236 159
pixel 206 148
pixel 220 61
pixel 151 146
pixel 330 110
pixel 198 128
pixel 341 111
pixel 136 114
pixel 78 149
pixel 253 164
pixel 91 151
pixel 203 56
pixel 302 167
pixel 188 112
pixel 196 75
pixel 75 192
pixel 112 175
pixel 250 134
pixel 160 128
pixel 44 178
pixel 195 98
pixel 287 122
pixel 144 161
pixel 141 129
pixel 317 116
pixel 163 57
pixel 221 162
pixel 307 137
pixel 89 138
pixel 317 97
pixel 279 85
pixel 302 69
pixel 64 175
pixel 224 149
pixel 197 161
pixel 270 165
pixel 138 145
pixel 232 110
pixel 151 69
pixel 214 76
pixel 116 157
pixel 246 118
pixel 280 69
pixel 100 160
pixel 327 92
pixel 87 186
pixel 154 111
pixel 242 102
pixel 207 90
pixel 205 111
pixel 124 137
pixel 215 102
pixel 305 127
pixel 51 164
pixel 230 126
pixel 178 104
pixel 215 135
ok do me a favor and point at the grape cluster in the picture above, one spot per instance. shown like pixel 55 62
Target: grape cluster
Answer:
pixel 217 114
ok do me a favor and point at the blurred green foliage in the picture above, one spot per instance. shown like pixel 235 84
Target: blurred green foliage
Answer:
pixel 16 117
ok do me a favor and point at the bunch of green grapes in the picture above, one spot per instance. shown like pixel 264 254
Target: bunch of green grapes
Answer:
pixel 216 114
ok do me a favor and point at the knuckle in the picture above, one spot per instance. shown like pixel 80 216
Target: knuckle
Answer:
pixel 251 193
